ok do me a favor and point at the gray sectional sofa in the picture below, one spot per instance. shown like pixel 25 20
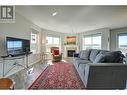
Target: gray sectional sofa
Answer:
pixel 101 69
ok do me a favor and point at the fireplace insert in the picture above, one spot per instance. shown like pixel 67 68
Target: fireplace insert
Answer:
pixel 70 53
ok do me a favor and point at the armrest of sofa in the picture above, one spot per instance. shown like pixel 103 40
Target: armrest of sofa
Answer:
pixel 76 55
pixel 105 75
pixel 106 64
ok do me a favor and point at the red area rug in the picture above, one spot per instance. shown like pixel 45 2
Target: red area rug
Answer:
pixel 58 76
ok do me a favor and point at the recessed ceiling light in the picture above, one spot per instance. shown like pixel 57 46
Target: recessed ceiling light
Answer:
pixel 54 14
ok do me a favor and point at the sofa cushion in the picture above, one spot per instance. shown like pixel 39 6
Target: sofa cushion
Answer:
pixel 108 57
pixel 82 69
pixel 93 54
pixel 113 57
pixel 82 66
pixel 100 58
pixel 77 58
pixel 103 51
pixel 82 61
pixel 78 62
pixel 84 54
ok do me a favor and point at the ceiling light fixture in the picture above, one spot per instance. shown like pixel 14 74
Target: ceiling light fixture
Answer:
pixel 54 14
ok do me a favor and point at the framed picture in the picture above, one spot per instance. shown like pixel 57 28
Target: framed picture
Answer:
pixel 71 39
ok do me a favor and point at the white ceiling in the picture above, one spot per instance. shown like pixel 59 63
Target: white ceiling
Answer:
pixel 75 19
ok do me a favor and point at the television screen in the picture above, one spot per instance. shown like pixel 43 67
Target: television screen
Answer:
pixel 16 46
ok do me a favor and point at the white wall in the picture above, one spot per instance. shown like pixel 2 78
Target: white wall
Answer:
pixel 114 39
pixel 20 29
pixel 105 37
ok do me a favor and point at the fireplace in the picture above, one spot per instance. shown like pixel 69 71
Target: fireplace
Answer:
pixel 70 53
pixel 69 50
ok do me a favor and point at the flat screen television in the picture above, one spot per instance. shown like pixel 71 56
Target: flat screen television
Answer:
pixel 17 46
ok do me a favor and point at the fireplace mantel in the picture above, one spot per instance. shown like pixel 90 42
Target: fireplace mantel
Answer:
pixel 70 47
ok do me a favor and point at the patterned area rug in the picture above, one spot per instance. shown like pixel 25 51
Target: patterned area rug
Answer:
pixel 58 76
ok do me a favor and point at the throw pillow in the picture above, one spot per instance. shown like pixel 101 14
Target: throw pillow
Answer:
pixel 84 54
pixel 100 58
pixel 56 52
pixel 113 57
pixel 109 57
pixel 93 54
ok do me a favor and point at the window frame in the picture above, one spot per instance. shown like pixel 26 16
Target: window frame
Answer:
pixel 121 49
pixel 48 46
pixel 53 39
pixel 91 36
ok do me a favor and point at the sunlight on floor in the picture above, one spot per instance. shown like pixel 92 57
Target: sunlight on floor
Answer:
pixel 50 62
pixel 64 60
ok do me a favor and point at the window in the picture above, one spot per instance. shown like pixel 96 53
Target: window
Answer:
pixel 56 40
pixel 92 42
pixel 96 42
pixel 122 42
pixel 52 41
pixel 49 40
pixel 34 42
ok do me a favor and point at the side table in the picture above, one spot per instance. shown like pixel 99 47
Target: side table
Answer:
pixel 6 83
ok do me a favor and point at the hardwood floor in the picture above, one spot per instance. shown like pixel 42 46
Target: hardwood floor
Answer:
pixel 24 78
